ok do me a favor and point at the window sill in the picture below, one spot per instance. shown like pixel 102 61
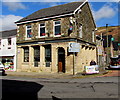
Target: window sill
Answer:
pixel 27 38
pixel 57 35
pixel 41 36
pixel 25 63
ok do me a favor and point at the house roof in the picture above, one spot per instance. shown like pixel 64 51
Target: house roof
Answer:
pixel 52 11
pixel 8 33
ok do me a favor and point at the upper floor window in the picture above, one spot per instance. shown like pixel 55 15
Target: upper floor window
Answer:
pixel 57 28
pixel 93 36
pixel 29 31
pixel 9 41
pixel 80 31
pixel 42 29
pixel 0 41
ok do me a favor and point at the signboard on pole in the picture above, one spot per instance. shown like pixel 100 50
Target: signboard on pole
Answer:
pixel 74 47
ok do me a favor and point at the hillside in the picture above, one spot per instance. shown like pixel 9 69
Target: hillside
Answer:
pixel 112 30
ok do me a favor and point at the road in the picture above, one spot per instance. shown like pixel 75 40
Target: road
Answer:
pixel 23 88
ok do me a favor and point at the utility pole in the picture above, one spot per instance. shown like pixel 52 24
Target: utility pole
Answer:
pixel 107 44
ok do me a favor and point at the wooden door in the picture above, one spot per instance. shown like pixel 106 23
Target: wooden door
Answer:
pixel 61 60
pixel 60 66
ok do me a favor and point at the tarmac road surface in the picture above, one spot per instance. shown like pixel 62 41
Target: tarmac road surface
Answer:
pixel 59 89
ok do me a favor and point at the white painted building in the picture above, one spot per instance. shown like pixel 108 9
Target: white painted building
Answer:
pixel 8 49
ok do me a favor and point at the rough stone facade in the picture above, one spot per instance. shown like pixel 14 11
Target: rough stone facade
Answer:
pixel 82 58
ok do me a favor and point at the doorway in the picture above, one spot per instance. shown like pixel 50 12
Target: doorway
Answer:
pixel 61 60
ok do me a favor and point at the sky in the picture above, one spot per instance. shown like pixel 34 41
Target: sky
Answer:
pixel 104 11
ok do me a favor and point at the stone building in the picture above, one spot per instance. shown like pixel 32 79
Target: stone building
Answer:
pixel 43 39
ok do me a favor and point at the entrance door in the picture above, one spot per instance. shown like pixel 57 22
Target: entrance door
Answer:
pixel 36 56
pixel 61 60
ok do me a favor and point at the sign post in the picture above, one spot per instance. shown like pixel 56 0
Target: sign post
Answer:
pixel 74 47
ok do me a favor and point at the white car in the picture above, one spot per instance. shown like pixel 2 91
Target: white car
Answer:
pixel 112 66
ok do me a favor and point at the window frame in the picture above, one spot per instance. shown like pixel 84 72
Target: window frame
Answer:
pixel 0 41
pixel 48 55
pixel 37 49
pixel 9 41
pixel 27 31
pixel 93 36
pixel 39 34
pixel 81 31
pixel 25 54
pixel 55 26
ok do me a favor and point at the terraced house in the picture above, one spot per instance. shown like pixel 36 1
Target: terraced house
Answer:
pixel 45 37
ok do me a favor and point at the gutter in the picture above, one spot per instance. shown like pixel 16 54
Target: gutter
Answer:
pixel 35 20
pixel 18 23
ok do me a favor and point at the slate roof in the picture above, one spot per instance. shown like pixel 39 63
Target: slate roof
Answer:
pixel 52 11
pixel 8 33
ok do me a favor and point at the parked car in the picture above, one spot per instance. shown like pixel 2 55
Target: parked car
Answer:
pixel 114 62
pixel 2 70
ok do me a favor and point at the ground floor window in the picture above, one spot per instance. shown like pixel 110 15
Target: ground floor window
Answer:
pixel 36 55
pixel 48 55
pixel 26 54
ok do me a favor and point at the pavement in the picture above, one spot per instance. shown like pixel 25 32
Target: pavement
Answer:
pixel 38 75
pixel 105 73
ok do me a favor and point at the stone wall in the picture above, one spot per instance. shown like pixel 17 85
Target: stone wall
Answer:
pixel 49 29
pixel 85 18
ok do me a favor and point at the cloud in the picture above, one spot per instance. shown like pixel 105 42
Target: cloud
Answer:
pixel 105 12
pixel 14 4
pixel 7 22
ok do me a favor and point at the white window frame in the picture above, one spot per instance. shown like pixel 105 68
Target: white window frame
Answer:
pixel 27 33
pixel 54 28
pixel 93 36
pixel 39 30
pixel 80 31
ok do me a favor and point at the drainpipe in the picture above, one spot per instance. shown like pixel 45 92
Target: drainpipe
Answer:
pixel 107 42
